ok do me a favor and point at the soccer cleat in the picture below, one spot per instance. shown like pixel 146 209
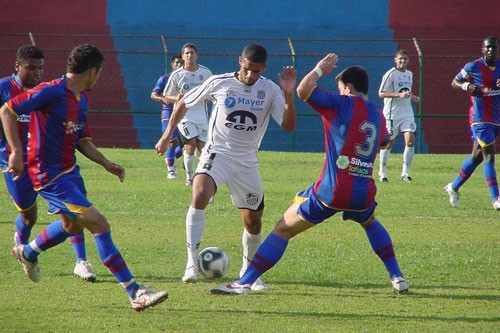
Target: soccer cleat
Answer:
pixel 172 172
pixel 399 285
pixel 406 178
pixel 83 271
pixel 190 275
pixel 496 204
pixel 383 178
pixel 259 285
pixel 233 288
pixel 31 269
pixel 454 195
pixel 146 298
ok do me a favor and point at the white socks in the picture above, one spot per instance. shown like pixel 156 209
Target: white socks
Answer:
pixel 407 159
pixel 250 245
pixel 195 226
pixel 188 165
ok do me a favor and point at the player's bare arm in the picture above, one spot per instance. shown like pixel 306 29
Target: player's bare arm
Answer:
pixel 9 120
pixel 178 113
pixel 288 82
pixel 324 67
pixel 90 151
pixel 471 88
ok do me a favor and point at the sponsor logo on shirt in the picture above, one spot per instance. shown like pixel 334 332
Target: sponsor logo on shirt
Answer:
pixel 23 118
pixel 355 166
pixel 242 121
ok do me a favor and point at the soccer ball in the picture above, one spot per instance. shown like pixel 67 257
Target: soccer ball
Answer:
pixel 213 262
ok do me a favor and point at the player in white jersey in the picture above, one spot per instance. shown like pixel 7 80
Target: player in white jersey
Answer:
pixel 243 103
pixel 396 91
pixel 193 127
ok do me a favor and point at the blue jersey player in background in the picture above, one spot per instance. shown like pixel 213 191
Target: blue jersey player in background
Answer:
pixel 354 131
pixel 29 69
pixel 481 79
pixel 57 129
pixel 174 149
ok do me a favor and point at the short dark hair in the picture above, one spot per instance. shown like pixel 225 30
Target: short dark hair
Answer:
pixel 403 52
pixel 490 40
pixel 176 56
pixel 356 76
pixel 26 52
pixel 84 57
pixel 191 46
pixel 255 53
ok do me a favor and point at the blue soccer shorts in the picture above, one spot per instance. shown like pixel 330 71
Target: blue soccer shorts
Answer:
pixel 21 191
pixel 485 134
pixel 313 210
pixel 67 194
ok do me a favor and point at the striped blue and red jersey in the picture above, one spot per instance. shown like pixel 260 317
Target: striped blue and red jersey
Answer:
pixel 484 108
pixel 166 109
pixel 10 87
pixel 57 126
pixel 354 131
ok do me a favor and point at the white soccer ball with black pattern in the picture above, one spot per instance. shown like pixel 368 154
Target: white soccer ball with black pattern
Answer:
pixel 213 262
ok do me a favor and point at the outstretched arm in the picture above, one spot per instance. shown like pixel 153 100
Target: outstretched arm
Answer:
pixel 90 151
pixel 323 67
pixel 288 81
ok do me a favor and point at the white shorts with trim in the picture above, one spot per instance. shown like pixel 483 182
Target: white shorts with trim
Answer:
pixel 396 126
pixel 243 180
pixel 190 130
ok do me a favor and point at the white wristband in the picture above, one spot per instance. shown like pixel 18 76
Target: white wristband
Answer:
pixel 465 86
pixel 318 71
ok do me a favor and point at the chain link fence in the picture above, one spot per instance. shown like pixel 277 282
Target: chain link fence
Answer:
pixel 134 63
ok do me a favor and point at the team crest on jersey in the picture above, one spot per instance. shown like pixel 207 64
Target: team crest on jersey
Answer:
pixel 185 87
pixel 252 199
pixel 230 93
pixel 72 127
pixel 261 94
pixel 201 78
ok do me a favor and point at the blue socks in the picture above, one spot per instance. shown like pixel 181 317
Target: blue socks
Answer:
pixel 466 171
pixel 78 242
pixel 382 245
pixel 51 236
pixel 113 260
pixel 490 176
pixel 268 254
pixel 23 232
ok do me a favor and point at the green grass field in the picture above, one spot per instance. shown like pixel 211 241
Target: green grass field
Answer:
pixel 329 280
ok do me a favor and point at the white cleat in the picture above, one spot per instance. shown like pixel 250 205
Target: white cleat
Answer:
pixel 399 285
pixel 233 288
pixel 146 298
pixel 383 178
pixel 259 285
pixel 83 271
pixel 496 204
pixel 406 178
pixel 190 275
pixel 453 195
pixel 172 172
pixel 31 269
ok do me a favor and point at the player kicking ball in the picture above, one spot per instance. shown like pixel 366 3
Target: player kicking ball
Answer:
pixel 354 131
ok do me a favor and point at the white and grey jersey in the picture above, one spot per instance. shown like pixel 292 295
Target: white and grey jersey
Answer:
pixel 397 81
pixel 184 81
pixel 240 113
